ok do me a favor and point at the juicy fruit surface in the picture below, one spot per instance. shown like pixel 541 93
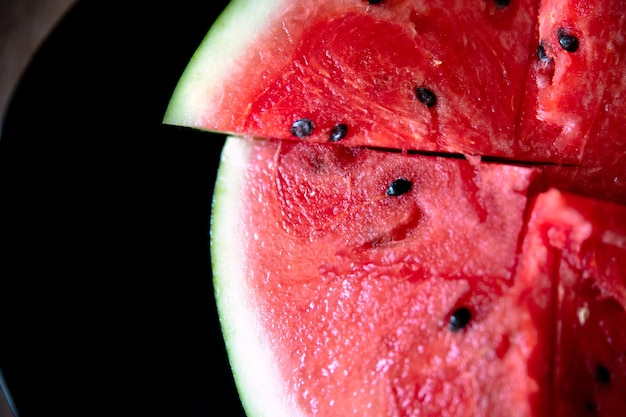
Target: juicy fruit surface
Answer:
pixel 538 81
pixel 393 284
pixel 578 245
pixel 414 303
pixel 360 64
pixel 367 80
pixel 576 100
pixel 356 288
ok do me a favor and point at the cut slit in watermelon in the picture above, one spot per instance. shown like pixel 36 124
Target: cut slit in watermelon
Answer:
pixel 466 77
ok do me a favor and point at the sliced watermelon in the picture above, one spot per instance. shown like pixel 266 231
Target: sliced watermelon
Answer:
pixel 356 299
pixel 473 77
pixel 432 274
pixel 389 72
pixel 576 96
pixel 580 246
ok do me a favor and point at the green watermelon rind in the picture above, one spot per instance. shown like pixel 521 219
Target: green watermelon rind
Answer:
pixel 249 350
pixel 220 50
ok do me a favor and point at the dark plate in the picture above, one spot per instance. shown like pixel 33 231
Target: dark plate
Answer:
pixel 106 303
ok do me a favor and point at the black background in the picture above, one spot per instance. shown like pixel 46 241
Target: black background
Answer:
pixel 106 303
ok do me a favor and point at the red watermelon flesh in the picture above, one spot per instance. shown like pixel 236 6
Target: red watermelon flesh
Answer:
pixel 357 284
pixel 579 245
pixel 473 77
pixel 575 100
pixel 363 65
pixel 355 288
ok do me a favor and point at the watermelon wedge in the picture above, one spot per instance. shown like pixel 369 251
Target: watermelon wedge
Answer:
pixel 421 210
pixel 365 302
pixel 387 71
pixel 352 311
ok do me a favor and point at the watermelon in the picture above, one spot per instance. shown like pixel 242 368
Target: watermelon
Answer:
pixel 357 316
pixel 576 98
pixel 578 245
pixel 367 301
pixel 320 63
pixel 479 77
pixel 420 209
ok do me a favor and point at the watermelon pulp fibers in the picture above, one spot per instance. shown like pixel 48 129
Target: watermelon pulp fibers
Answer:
pixel 405 283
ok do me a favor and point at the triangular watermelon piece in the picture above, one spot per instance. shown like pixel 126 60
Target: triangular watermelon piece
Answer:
pixel 435 76
pixel 342 297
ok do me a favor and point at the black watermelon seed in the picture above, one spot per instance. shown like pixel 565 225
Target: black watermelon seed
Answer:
pixel 567 41
pixel 374 1
pixel 502 3
pixel 603 375
pixel 459 319
pixel 399 187
pixel 541 53
pixel 339 132
pixel 591 406
pixel 302 128
pixel 426 96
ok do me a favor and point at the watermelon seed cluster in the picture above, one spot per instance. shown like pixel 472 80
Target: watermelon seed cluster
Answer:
pixel 567 41
pixel 302 128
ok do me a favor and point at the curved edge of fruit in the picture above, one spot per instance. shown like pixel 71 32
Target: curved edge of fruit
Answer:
pixel 249 352
pixel 216 56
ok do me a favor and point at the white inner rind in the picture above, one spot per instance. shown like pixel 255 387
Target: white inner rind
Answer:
pixel 228 38
pixel 257 377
